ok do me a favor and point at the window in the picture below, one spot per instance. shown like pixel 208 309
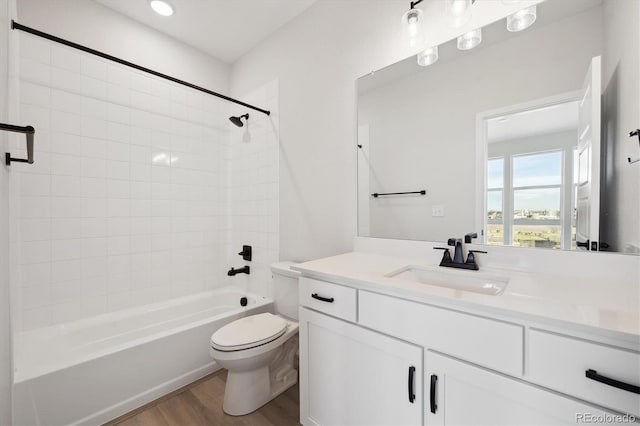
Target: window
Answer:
pixel 525 200
pixel 537 187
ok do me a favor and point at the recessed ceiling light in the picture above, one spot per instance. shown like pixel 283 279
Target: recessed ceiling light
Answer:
pixel 161 7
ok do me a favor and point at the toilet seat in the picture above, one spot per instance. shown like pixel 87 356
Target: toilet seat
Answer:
pixel 248 332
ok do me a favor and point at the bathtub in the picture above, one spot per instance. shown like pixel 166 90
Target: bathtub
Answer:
pixel 96 369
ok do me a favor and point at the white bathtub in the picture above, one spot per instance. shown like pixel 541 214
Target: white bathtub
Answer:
pixel 93 370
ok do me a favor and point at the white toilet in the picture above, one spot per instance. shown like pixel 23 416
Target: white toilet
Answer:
pixel 260 350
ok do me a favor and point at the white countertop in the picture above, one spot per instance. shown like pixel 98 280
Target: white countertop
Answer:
pixel 588 305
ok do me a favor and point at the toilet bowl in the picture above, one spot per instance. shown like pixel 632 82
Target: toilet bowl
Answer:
pixel 259 351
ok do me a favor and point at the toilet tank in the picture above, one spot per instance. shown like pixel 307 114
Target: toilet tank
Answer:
pixel 285 289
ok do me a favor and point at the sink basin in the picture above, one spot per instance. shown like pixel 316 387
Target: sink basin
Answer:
pixel 476 282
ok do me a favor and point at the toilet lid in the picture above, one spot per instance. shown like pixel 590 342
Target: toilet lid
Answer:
pixel 249 332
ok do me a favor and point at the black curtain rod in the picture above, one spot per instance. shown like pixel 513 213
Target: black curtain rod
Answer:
pixel 17 26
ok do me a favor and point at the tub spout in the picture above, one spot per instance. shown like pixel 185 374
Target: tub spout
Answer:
pixel 243 270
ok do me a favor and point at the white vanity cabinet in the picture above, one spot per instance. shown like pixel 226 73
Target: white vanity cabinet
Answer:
pixel 353 376
pixel 459 393
pixel 363 354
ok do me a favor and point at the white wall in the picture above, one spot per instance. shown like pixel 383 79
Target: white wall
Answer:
pixel 620 227
pixel 422 127
pixel 92 24
pixel 317 58
pixel 5 330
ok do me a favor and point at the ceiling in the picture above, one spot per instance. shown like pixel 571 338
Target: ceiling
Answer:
pixel 225 29
pixel 550 119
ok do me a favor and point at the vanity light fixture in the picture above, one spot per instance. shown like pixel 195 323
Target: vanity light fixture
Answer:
pixel 428 56
pixel 413 26
pixel 522 19
pixel 468 41
pixel 161 7
pixel 459 11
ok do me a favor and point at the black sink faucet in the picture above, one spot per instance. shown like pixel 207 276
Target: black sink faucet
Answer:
pixel 244 270
pixel 458 256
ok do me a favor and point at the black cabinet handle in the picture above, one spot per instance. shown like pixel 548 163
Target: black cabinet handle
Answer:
pixel 412 394
pixel 593 375
pixel 432 394
pixel 322 299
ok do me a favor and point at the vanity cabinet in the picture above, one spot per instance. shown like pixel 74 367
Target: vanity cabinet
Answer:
pixel 353 376
pixel 459 393
pixel 371 358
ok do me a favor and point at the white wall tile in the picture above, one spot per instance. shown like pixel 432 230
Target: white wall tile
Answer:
pixel 36 252
pixel 66 228
pixel 35 229
pixel 65 249
pixel 128 202
pixel 35 72
pixel 65 101
pixel 65 58
pixel 66 186
pixel 35 48
pixel 35 94
pixel 93 67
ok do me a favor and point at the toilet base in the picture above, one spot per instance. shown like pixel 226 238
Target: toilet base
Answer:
pixel 246 391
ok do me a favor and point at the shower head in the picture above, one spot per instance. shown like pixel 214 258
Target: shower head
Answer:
pixel 238 120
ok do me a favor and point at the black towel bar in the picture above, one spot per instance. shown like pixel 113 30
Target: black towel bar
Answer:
pixel 376 194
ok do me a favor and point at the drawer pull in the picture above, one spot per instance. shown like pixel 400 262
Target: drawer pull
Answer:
pixel 412 394
pixel 432 394
pixel 322 299
pixel 593 375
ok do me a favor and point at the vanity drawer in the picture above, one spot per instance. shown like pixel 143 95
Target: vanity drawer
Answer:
pixel 561 362
pixel 336 300
pixel 494 344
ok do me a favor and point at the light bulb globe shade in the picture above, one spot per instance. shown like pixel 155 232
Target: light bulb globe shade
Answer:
pixel 468 41
pixel 458 11
pixel 428 56
pixel 412 28
pixel 522 19
pixel 161 7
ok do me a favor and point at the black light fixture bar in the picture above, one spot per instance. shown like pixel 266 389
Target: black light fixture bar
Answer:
pixel 17 26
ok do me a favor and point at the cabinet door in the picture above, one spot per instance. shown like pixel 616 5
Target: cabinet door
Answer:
pixel 463 394
pixel 353 376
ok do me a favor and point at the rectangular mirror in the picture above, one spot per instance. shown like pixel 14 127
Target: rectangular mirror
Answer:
pixel 523 140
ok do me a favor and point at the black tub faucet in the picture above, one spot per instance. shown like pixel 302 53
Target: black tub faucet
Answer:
pixel 244 270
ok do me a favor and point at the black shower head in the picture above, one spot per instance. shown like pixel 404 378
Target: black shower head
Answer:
pixel 238 120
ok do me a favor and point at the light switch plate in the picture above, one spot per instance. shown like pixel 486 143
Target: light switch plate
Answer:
pixel 437 211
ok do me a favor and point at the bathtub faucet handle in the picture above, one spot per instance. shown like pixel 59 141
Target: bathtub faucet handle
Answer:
pixel 246 253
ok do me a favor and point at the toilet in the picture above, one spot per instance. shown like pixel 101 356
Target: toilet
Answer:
pixel 259 351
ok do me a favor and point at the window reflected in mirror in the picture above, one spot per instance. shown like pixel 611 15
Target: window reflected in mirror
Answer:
pixel 531 173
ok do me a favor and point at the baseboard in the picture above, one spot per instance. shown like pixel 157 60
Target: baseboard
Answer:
pixel 148 396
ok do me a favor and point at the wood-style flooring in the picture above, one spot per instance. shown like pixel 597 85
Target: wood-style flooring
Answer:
pixel 201 404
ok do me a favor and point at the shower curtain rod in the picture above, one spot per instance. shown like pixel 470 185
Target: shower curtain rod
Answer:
pixel 17 26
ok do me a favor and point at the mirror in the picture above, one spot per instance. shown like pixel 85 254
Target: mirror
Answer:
pixel 523 140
